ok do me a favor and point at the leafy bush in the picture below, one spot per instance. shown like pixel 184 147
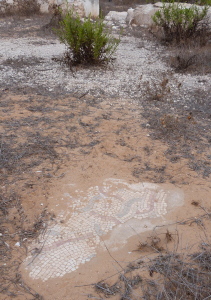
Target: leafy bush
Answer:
pixel 198 2
pixel 205 2
pixel 181 24
pixel 87 41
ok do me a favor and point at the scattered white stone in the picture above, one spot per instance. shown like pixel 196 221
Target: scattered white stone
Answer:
pixel 117 16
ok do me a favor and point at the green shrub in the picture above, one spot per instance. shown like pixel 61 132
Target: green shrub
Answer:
pixel 205 2
pixel 181 24
pixel 87 41
pixel 197 2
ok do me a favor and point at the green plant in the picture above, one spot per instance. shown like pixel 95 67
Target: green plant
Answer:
pixel 87 41
pixel 180 23
pixel 198 2
pixel 204 2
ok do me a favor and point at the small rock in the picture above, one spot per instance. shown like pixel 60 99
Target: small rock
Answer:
pixel 116 16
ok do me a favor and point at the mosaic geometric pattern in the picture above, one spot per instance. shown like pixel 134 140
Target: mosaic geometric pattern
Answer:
pixel 66 245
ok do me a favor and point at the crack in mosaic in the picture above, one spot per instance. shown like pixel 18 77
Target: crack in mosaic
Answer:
pixel 67 245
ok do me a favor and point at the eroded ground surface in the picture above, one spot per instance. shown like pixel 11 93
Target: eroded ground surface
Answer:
pixel 93 159
pixel 90 215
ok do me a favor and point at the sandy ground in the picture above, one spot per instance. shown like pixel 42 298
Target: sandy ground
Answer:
pixel 137 121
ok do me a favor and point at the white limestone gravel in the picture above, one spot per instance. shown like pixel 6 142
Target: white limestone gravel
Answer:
pixel 137 71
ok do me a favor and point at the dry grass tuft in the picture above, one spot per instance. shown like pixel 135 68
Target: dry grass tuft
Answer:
pixel 14 234
pixel 163 272
pixel 192 59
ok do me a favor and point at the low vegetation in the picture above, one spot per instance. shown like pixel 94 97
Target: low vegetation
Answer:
pixel 187 28
pixel 87 41
pixel 181 24
pixel 163 272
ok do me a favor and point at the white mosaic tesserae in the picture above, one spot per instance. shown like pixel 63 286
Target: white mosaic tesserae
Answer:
pixel 65 246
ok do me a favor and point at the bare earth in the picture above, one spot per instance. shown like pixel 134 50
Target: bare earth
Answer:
pixel 81 146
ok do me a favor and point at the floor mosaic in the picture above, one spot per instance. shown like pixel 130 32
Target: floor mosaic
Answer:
pixel 65 246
